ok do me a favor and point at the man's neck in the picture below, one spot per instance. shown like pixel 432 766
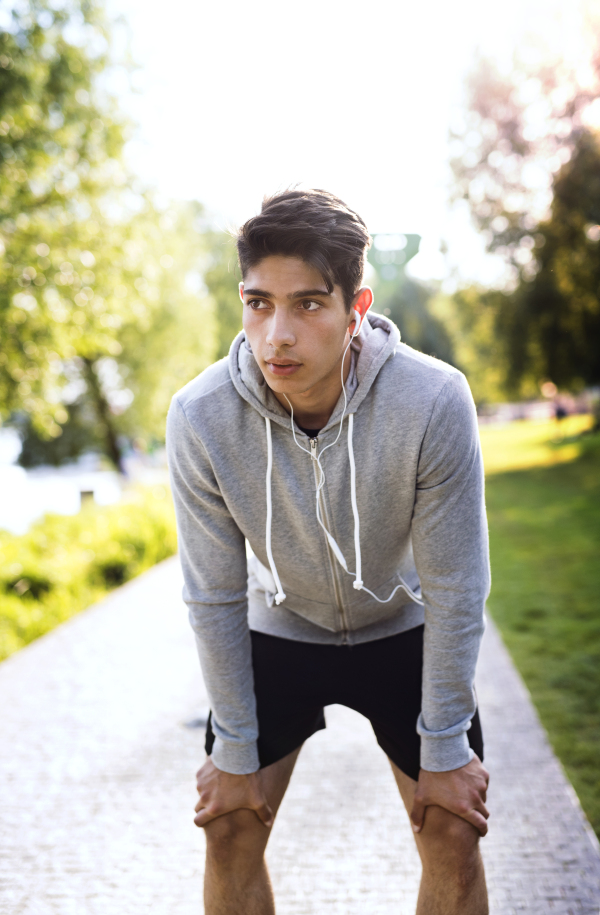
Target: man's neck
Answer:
pixel 313 408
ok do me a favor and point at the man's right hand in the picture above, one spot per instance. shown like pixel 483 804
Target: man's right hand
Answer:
pixel 222 792
pixel 462 791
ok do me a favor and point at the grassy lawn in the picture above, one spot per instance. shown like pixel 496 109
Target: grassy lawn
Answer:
pixel 545 547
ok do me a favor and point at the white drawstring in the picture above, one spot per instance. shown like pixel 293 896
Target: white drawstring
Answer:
pixel 279 596
pixel 358 583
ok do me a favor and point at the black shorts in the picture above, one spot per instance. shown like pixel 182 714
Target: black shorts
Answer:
pixel 293 681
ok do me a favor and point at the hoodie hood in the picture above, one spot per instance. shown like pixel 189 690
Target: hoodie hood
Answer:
pixel 375 343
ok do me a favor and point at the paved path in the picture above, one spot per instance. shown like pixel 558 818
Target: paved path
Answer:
pixel 97 788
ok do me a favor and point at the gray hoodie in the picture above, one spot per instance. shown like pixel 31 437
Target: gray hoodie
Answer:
pixel 401 506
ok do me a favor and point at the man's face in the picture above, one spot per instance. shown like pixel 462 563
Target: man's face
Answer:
pixel 297 330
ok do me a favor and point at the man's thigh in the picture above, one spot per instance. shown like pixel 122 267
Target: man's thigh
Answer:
pixel 276 778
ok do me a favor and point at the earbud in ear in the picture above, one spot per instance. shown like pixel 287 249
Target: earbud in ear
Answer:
pixel 357 323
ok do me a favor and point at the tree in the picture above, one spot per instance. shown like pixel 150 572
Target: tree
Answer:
pixel 469 318
pixel 174 336
pixel 404 300
pixel 554 324
pixel 56 160
pixel 519 128
pixel 100 298
pixel 221 278
pixel 162 335
pixel 526 161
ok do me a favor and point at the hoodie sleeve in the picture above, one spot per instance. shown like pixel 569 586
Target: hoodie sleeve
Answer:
pixel 213 559
pixel 450 543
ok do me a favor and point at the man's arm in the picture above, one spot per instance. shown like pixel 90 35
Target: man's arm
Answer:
pixel 213 558
pixel 450 546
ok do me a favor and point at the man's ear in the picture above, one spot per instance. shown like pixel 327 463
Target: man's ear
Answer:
pixel 362 302
pixel 241 289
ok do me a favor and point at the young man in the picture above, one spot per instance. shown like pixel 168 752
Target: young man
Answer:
pixel 350 466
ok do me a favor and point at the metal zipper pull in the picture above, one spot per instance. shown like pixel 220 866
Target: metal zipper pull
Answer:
pixel 313 448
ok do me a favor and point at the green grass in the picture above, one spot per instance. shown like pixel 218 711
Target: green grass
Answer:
pixel 64 564
pixel 545 549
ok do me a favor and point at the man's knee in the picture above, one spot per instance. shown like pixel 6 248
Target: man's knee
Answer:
pixel 236 836
pixel 447 841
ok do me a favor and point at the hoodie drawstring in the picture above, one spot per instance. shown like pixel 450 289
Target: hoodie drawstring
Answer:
pixel 358 583
pixel 280 595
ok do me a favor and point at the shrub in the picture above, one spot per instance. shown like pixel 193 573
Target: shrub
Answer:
pixel 64 564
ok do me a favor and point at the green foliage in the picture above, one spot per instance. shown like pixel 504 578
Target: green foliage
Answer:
pixel 554 324
pixel 222 277
pixel 469 319
pixel 64 564
pixel 549 326
pixel 410 308
pixel 545 539
pixel 530 171
pixel 174 336
pixel 405 301
pixel 56 138
pixel 58 161
pixel 79 435
pixel 100 299
pixel 517 130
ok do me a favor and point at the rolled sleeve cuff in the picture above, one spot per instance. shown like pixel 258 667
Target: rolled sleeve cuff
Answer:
pixel 442 751
pixel 237 759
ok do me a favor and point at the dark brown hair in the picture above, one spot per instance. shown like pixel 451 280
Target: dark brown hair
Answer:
pixel 315 226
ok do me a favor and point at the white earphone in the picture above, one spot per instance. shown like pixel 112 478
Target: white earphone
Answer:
pixel 358 319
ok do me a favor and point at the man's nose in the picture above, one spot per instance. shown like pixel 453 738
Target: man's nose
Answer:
pixel 281 332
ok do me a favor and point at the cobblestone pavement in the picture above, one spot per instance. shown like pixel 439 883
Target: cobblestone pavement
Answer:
pixel 97 787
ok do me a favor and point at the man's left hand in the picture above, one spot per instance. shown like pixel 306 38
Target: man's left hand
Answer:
pixel 461 791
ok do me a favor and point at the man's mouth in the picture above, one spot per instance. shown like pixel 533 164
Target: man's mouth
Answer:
pixel 282 366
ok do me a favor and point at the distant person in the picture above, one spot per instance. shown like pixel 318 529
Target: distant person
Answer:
pixel 560 414
pixel 560 411
pixel 350 465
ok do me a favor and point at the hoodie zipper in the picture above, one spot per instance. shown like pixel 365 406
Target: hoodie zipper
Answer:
pixel 336 590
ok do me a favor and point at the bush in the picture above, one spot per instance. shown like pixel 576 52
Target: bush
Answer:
pixel 64 564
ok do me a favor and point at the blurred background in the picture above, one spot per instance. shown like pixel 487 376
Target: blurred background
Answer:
pixel 134 135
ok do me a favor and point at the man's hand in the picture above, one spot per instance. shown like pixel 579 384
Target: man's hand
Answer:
pixel 461 791
pixel 221 793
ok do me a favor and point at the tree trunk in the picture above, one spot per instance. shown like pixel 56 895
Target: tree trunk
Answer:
pixel 110 437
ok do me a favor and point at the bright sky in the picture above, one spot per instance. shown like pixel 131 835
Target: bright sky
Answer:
pixel 239 99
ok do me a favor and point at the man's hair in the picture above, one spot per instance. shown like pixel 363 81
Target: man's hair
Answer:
pixel 315 226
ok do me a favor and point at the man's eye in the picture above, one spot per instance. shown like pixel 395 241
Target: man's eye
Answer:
pixel 257 304
pixel 310 305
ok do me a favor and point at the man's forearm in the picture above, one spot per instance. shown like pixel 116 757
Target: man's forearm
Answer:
pixel 448 703
pixel 225 652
